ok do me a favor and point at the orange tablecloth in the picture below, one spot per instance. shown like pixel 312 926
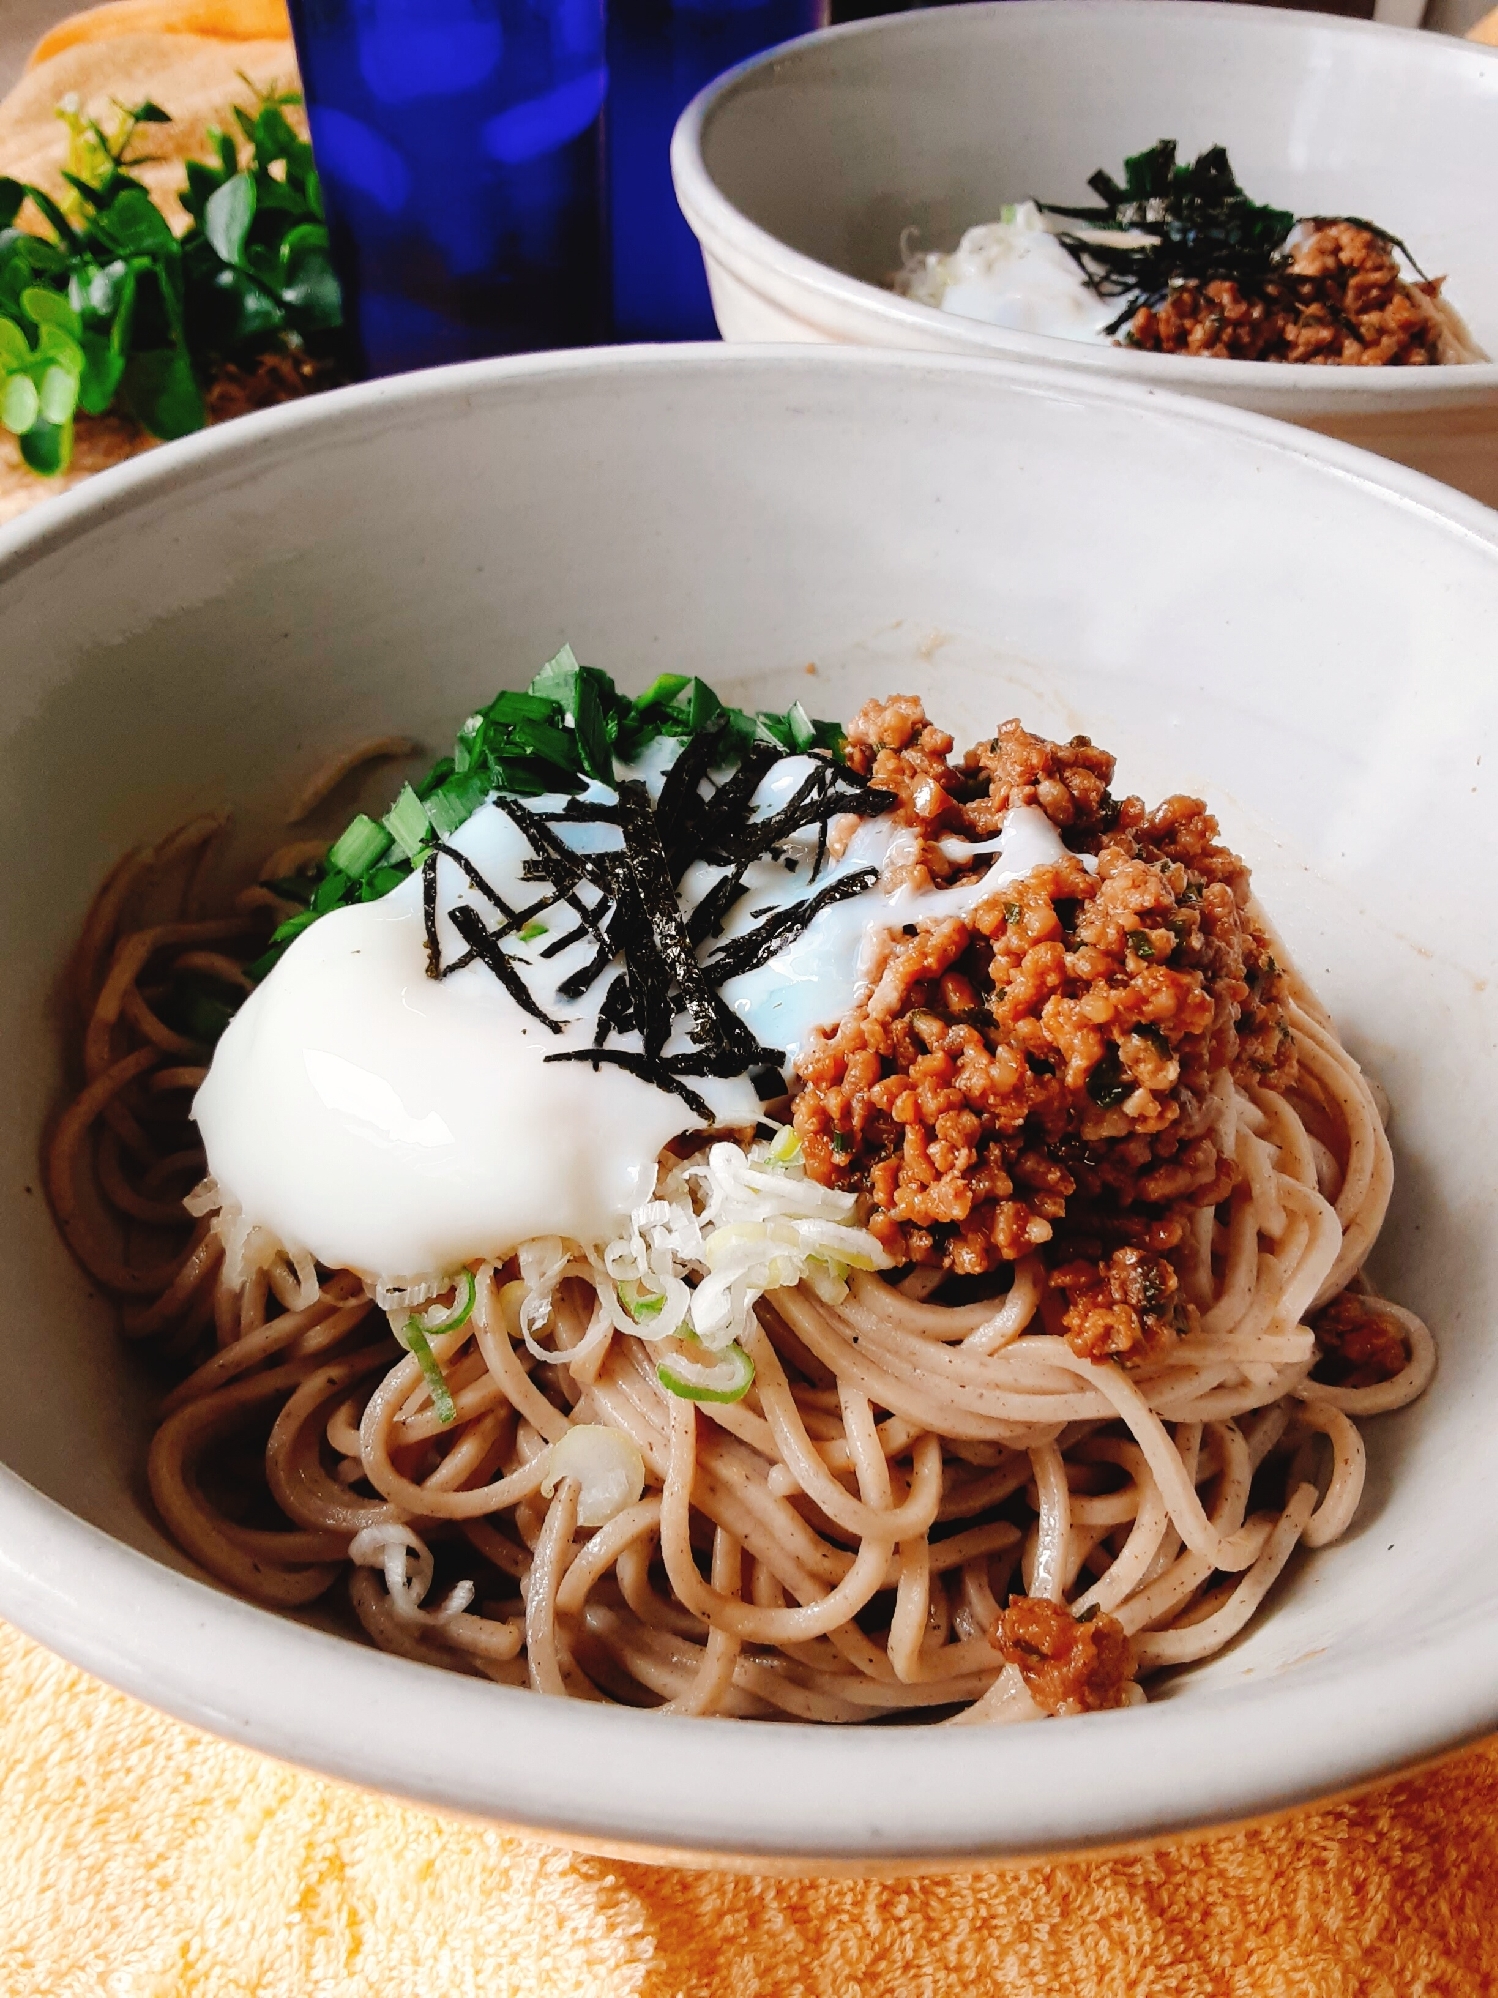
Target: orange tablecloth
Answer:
pixel 144 1860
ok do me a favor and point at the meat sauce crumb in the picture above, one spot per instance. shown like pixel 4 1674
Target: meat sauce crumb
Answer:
pixel 1342 303
pixel 1039 1075
pixel 1360 1347
pixel 1069 1665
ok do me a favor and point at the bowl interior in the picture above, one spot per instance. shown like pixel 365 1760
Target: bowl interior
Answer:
pixel 930 121
pixel 1232 608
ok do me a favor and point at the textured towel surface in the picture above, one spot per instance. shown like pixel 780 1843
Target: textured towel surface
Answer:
pixel 143 1860
pixel 225 20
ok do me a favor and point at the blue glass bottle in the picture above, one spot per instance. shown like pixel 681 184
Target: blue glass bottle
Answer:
pixel 459 144
pixel 661 53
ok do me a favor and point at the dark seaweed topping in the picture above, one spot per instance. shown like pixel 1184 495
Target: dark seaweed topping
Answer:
pixel 626 898
pixel 748 953
pixel 663 1078
pixel 1205 228
pixel 570 725
pixel 484 945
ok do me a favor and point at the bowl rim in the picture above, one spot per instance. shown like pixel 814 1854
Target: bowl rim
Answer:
pixel 722 226
pixel 667 1786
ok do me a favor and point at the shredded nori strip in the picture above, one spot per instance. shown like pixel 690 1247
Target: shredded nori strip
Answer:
pixel 748 953
pixel 469 925
pixel 634 915
pixel 1203 224
pixel 648 1071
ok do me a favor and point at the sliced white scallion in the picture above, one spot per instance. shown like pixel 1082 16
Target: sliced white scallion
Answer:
pixel 607 1465
pixel 641 1304
pixel 460 1311
pixel 728 1379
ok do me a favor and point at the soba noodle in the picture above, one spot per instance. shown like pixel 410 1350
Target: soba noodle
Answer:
pixel 835 1547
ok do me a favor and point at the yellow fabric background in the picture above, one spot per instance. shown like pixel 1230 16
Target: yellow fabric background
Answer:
pixel 140 1859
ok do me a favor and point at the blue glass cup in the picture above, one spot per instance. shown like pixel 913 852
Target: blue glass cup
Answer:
pixel 661 53
pixel 460 148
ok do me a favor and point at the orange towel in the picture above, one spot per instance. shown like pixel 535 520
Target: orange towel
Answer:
pixel 221 20
pixel 143 1860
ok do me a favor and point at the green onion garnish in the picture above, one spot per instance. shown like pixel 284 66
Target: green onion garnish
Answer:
pixel 414 1340
pixel 329 892
pixel 803 729
pixel 640 1304
pixel 293 926
pixel 365 842
pixel 532 931
pixel 571 725
pixel 468 1291
pixel 407 822
pixel 729 1381
pixel 661 692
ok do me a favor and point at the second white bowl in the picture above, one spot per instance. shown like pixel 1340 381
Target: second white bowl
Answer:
pixel 800 171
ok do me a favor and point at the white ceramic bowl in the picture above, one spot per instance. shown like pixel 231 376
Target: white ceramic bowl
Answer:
pixel 205 624
pixel 799 171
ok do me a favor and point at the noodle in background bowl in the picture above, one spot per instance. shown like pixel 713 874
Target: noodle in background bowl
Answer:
pixel 799 172
pixel 1289 627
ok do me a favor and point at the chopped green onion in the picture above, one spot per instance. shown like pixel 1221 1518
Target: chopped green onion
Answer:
pixel 407 822
pixel 661 692
pixel 802 728
pixel 454 802
pixel 468 1291
pixel 532 931
pixel 355 853
pixel 435 778
pixel 729 1381
pixel 293 926
pixel 640 1304
pixel 703 705
pixel 571 724
pixel 842 1143
pixel 1141 945
pixel 557 679
pixel 373 886
pixel 414 1340
pixel 786 1149
pixel 330 892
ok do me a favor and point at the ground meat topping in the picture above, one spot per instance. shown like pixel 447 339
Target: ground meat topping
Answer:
pixel 1070 1666
pixel 1122 1308
pixel 1360 1346
pixel 1039 1072
pixel 892 744
pixel 1339 302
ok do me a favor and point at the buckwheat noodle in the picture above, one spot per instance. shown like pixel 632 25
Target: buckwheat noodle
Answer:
pixel 837 1546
